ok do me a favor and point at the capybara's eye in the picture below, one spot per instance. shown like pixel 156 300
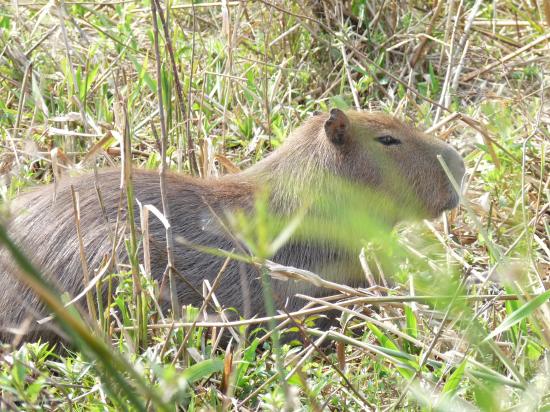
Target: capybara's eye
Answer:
pixel 388 140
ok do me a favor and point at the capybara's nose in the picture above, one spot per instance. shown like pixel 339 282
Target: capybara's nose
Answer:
pixel 455 163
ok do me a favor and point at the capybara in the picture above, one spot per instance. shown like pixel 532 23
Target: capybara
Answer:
pixel 395 164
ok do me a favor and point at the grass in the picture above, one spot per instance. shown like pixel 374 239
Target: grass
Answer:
pixel 465 327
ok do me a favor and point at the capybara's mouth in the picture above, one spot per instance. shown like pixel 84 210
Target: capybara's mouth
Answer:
pixel 453 201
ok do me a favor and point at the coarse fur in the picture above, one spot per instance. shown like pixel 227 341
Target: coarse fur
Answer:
pixel 405 180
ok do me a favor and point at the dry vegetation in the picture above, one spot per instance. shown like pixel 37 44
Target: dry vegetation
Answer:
pixel 468 324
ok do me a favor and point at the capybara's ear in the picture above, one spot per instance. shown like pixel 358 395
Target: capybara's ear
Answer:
pixel 337 127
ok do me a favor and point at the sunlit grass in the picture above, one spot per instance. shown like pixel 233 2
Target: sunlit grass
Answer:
pixel 459 319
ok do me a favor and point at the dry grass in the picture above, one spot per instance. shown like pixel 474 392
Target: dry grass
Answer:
pixel 236 77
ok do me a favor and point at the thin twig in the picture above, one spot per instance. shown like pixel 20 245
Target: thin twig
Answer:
pixel 162 173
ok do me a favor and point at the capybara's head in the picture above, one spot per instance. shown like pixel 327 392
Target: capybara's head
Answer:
pixel 397 163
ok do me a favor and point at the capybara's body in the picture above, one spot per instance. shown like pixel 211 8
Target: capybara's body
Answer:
pixel 396 164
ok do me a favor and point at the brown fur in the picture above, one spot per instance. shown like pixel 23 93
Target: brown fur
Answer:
pixel 406 181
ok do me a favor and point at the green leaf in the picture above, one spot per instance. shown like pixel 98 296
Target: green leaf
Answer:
pixel 37 96
pixel 202 369
pixel 412 327
pixel 518 315
pixel 33 390
pixel 339 102
pixel 454 380
pixel 485 395
pixel 384 340
pixel 19 373
pixel 143 75
pixel 403 361
pixel 249 356
pixel 295 380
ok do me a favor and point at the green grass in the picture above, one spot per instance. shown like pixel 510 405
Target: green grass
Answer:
pixel 249 74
